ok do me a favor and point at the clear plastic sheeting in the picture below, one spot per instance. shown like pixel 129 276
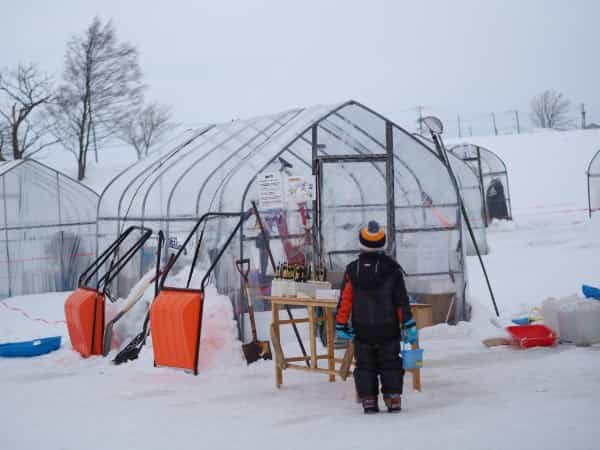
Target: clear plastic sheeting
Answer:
pixel 593 180
pixel 471 191
pixel 491 170
pixel 317 174
pixel 47 229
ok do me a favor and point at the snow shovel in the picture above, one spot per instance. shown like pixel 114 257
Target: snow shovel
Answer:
pixel 255 349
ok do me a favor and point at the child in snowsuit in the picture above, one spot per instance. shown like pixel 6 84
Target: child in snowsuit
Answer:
pixel 374 296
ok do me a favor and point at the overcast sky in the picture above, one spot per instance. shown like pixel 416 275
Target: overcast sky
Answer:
pixel 213 61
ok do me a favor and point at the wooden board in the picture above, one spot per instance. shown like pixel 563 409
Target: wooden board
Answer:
pixel 347 361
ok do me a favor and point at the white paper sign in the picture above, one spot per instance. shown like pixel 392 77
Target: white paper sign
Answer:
pixel 270 190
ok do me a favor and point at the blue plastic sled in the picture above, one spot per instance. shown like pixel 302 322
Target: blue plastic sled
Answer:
pixel 30 348
pixel 590 291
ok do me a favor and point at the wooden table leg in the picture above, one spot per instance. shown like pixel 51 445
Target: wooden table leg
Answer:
pixel 276 331
pixel 330 341
pixel 416 373
pixel 313 336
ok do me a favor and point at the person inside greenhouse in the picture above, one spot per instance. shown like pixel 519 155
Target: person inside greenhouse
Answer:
pixel 374 298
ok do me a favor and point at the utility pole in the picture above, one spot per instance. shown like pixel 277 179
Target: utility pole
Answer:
pixel 583 116
pixel 518 123
pixel 494 123
pixel 420 110
pixel 459 130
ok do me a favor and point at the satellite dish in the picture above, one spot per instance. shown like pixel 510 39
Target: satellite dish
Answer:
pixel 434 125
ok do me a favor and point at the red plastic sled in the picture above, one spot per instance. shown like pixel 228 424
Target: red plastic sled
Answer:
pixel 525 336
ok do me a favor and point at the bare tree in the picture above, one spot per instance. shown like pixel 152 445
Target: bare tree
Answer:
pixel 2 140
pixel 146 128
pixel 23 93
pixel 550 109
pixel 102 87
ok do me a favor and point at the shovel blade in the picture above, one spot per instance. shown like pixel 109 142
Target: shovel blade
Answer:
pixel 256 350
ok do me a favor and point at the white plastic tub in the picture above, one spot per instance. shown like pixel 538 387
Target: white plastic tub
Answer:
pixel 575 320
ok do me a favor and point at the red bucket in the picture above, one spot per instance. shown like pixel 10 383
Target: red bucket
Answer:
pixel 536 335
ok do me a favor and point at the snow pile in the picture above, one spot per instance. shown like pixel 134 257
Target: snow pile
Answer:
pixel 131 323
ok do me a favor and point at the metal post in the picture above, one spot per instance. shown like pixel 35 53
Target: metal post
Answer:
pixel 6 237
pixel 518 123
pixel 390 185
pixel 494 123
pixel 316 225
pixel 589 196
pixel 459 129
pixel 481 186
pixel 62 235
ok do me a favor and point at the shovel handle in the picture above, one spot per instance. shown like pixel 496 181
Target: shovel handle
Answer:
pixel 243 267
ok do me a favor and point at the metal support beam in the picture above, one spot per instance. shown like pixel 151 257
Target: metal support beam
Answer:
pixel 390 194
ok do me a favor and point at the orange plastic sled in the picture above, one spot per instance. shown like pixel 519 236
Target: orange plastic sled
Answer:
pixel 176 318
pixel 84 311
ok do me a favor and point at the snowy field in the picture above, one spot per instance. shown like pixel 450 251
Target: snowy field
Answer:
pixel 473 397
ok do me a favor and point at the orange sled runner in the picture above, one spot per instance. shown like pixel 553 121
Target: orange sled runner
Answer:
pixel 176 313
pixel 84 308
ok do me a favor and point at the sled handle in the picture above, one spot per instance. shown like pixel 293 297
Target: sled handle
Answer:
pixel 209 215
pixel 96 265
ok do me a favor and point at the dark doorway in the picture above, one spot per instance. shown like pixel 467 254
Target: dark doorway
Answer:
pixel 496 201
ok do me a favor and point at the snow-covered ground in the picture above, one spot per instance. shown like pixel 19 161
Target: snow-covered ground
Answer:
pixel 473 397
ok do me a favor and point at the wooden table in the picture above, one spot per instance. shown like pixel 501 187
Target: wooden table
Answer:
pixel 334 366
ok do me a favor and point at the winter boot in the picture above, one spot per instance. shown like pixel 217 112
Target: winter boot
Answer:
pixel 370 405
pixel 393 401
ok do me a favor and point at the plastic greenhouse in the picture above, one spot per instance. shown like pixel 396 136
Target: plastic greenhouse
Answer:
pixel 471 191
pixel 492 172
pixel 317 174
pixel 593 182
pixel 47 228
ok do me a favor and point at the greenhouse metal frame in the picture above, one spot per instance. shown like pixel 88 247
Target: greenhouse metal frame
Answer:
pixel 489 167
pixel 47 228
pixel 593 183
pixel 363 165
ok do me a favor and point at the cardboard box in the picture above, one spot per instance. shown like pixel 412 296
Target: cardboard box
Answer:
pixel 440 304
pixel 423 314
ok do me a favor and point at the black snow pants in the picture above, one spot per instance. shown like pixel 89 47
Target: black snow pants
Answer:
pixel 373 360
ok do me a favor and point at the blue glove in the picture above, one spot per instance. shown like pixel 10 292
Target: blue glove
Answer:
pixel 411 334
pixel 343 331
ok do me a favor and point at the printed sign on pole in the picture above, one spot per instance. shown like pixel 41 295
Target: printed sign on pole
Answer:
pixel 270 190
